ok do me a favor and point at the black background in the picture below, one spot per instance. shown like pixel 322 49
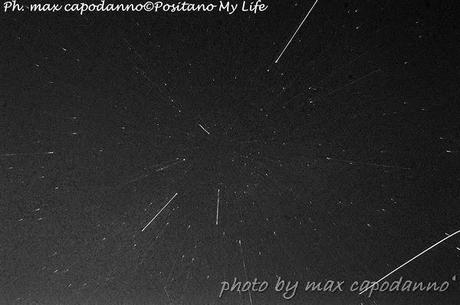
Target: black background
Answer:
pixel 340 162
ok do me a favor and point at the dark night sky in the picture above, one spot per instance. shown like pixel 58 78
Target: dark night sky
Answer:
pixel 340 162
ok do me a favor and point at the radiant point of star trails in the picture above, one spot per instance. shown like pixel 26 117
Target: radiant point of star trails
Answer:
pixel 415 257
pixel 159 212
pixel 217 208
pixel 204 129
pixel 295 33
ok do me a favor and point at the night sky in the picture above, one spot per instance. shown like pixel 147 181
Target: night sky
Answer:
pixel 145 158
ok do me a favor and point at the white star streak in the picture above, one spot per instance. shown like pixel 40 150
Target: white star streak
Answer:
pixel 415 257
pixel 245 271
pixel 217 207
pixel 159 212
pixel 27 154
pixel 350 162
pixel 295 33
pixel 169 165
pixel 204 129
